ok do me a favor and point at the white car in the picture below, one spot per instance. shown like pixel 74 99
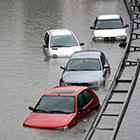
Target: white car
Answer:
pixel 109 27
pixel 60 43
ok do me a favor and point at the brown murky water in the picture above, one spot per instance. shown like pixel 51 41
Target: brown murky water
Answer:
pixel 25 74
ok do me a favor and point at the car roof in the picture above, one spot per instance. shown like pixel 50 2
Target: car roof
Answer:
pixel 86 54
pixel 66 90
pixel 109 16
pixel 57 32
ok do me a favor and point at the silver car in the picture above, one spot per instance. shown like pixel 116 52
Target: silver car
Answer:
pixel 87 68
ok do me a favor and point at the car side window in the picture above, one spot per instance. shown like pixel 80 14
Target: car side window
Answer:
pixel 81 101
pixel 88 96
pixel 103 59
pixel 95 23
pixel 46 39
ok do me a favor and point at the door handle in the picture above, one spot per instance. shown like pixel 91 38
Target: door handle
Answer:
pixel 88 110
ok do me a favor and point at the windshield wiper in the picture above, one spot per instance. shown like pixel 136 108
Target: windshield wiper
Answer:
pixel 72 70
pixel 58 111
pixel 58 46
pixel 41 110
pixel 51 111
pixel 88 69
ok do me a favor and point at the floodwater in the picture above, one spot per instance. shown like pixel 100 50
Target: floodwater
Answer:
pixel 25 74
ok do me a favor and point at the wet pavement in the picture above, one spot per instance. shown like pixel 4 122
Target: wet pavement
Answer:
pixel 25 73
pixel 130 126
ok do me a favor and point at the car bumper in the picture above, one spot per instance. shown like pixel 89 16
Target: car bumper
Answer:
pixel 90 85
pixel 109 38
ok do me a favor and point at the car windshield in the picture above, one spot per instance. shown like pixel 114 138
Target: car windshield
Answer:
pixel 86 64
pixel 56 104
pixel 63 41
pixel 109 24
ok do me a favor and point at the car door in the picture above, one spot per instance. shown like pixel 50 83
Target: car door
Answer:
pixel 84 104
pixel 90 100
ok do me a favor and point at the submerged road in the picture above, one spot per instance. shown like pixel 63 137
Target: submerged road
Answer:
pixel 26 75
pixel 109 119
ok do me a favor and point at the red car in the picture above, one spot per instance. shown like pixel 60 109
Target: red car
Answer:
pixel 62 107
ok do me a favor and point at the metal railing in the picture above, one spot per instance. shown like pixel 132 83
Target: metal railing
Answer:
pixel 133 8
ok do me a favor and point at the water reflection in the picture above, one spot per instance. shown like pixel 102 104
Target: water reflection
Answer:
pixel 25 76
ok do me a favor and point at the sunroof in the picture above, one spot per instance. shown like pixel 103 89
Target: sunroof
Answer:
pixel 61 92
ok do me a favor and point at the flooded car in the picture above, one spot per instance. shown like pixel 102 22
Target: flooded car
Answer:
pixel 62 107
pixel 86 68
pixel 109 27
pixel 60 43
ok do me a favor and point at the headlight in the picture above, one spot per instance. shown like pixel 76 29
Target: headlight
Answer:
pixel 98 38
pixel 63 83
pixel 97 83
pixel 121 38
pixel 66 84
pixel 65 128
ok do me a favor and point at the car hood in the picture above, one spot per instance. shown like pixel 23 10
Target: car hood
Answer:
pixel 82 76
pixel 48 121
pixel 109 33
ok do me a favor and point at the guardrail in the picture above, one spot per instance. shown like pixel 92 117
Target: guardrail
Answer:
pixel 133 8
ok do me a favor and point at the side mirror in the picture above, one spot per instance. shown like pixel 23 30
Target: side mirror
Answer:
pixel 126 26
pixel 81 44
pixel 106 66
pixel 62 67
pixel 91 27
pixel 31 108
